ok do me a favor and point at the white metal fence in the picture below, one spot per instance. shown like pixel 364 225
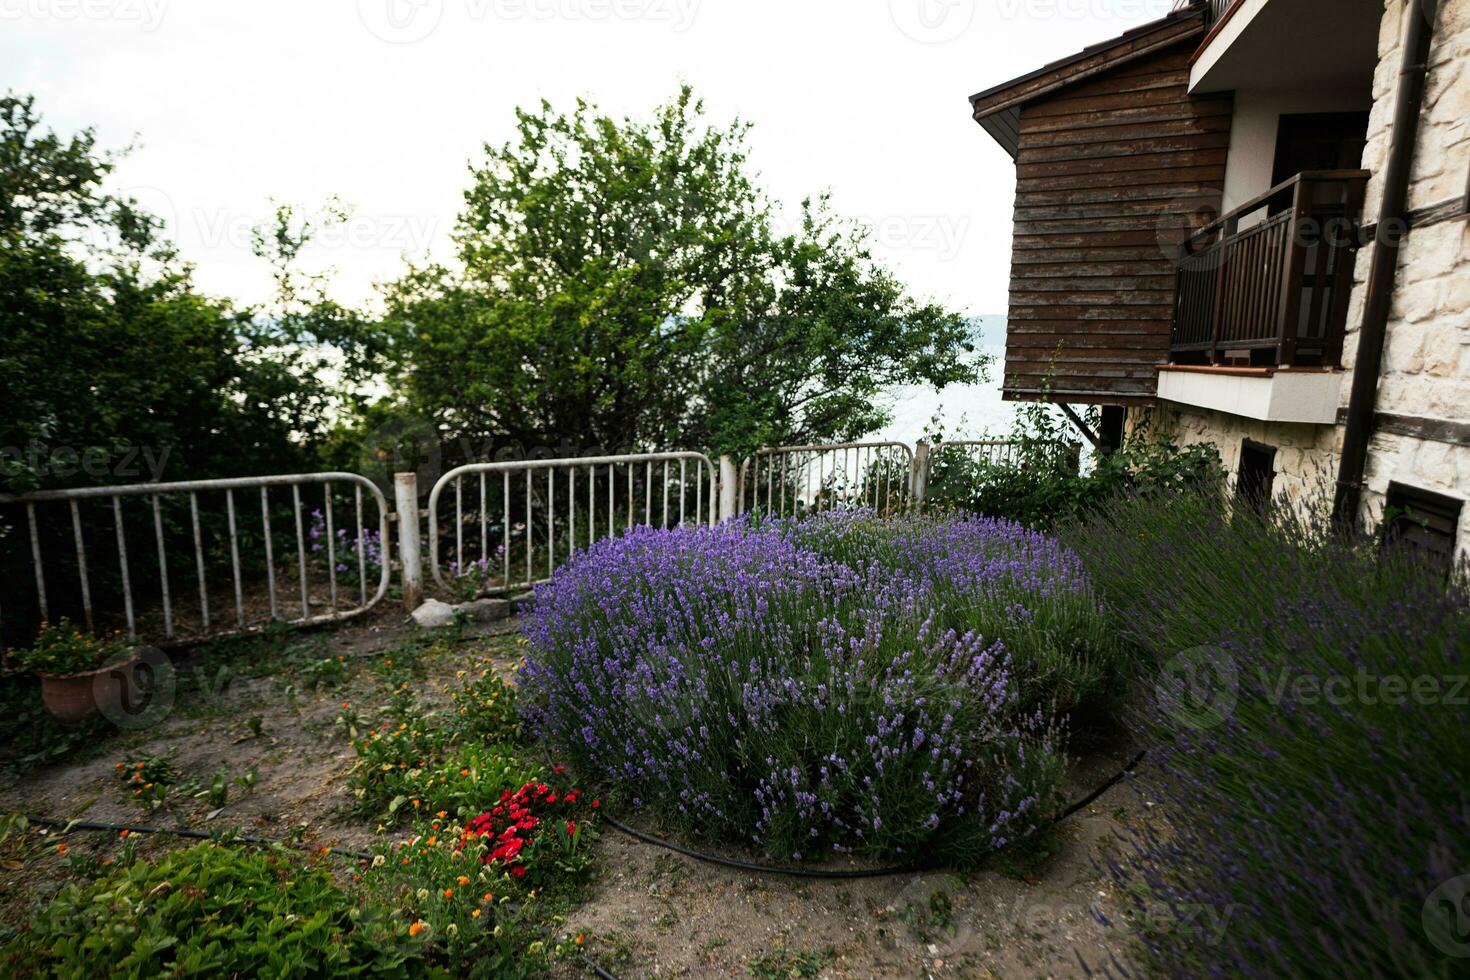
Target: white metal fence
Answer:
pixel 515 508
pixel 789 480
pixel 215 521
pixel 509 526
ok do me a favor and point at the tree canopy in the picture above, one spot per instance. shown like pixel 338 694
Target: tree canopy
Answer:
pixel 622 283
pixel 113 367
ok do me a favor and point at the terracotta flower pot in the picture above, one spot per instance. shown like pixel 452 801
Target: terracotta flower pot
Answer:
pixel 75 697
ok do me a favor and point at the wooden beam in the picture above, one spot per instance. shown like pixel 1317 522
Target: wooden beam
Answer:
pixel 1087 433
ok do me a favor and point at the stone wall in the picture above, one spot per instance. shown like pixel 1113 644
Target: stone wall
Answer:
pixel 1426 369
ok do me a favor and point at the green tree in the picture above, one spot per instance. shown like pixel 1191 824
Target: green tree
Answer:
pixel 113 367
pixel 620 283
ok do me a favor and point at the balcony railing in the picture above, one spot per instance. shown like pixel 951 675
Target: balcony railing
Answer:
pixel 1214 9
pixel 1267 284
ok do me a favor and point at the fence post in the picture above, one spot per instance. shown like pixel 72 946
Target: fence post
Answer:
pixel 919 476
pixel 406 494
pixel 729 478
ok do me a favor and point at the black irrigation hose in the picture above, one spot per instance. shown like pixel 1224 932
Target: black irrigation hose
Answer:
pixel 646 838
pixel 67 826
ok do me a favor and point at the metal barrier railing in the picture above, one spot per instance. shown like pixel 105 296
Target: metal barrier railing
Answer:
pixel 797 479
pixel 359 547
pixel 999 452
pixel 662 485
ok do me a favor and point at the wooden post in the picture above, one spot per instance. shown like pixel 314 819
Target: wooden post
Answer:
pixel 1290 309
pixel 410 552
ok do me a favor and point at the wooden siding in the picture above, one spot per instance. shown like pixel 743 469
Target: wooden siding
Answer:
pixel 1112 173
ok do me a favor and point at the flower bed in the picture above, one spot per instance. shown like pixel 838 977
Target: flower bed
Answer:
pixel 832 684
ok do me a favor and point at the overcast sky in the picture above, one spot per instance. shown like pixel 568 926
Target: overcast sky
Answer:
pixel 383 102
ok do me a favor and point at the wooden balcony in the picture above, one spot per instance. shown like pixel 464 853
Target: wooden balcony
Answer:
pixel 1267 284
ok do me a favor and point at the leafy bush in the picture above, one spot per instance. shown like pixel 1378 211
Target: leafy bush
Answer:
pixel 413 769
pixel 837 683
pixel 213 911
pixel 62 650
pixel 1040 487
pixel 413 762
pixel 484 708
pixel 1309 686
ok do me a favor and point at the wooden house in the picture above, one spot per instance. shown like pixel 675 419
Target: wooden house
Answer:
pixel 1243 223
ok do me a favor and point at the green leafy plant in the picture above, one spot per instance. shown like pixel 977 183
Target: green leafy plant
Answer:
pixel 1038 483
pixel 217 911
pixel 149 779
pixel 483 707
pixel 61 650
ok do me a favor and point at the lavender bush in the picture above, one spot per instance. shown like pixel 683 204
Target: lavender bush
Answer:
pixel 831 684
pixel 1305 758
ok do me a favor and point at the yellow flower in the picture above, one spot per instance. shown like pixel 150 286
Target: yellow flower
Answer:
pixel 475 914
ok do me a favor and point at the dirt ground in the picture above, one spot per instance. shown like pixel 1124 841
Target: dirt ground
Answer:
pixel 649 912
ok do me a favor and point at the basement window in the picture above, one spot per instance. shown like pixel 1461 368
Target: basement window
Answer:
pixel 1424 522
pixel 1257 473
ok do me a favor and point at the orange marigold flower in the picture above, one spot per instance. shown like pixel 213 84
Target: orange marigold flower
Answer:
pixel 417 927
pixel 60 848
pixel 449 893
pixel 464 879
pixel 442 814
